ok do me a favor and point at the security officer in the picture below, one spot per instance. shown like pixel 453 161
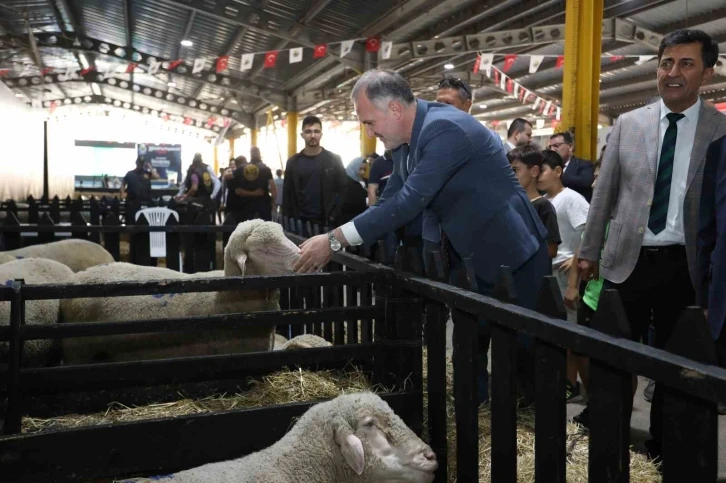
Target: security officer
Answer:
pixel 201 182
pixel 138 184
pixel 256 190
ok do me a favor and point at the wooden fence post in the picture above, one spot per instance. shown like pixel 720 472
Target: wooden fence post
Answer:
pixel 111 240
pixel 465 341
pixel 173 246
pixel 551 404
pixel 54 209
pixel 33 211
pixel 77 219
pixel 690 424
pixel 435 327
pixel 95 210
pixel 11 240
pixel 47 236
pixel 610 400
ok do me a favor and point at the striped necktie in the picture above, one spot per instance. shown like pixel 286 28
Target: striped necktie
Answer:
pixel 662 192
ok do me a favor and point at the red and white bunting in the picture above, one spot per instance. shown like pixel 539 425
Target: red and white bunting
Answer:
pixel 386 49
pixel 536 103
pixel 246 62
pixel 154 66
pixel 485 64
pixel 560 62
pixel 475 69
pixel 345 47
pixel 534 62
pixel 221 64
pixel 373 44
pixel 509 61
pixel 131 67
pixel 296 55
pixel 199 65
pixel 174 64
pixel 319 51
pixel 270 59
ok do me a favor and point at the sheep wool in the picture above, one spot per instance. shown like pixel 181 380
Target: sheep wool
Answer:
pixel 354 438
pixel 305 341
pixel 76 254
pixel 37 353
pixel 5 258
pixel 254 248
pixel 280 340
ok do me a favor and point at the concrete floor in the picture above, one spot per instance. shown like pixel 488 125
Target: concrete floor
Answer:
pixel 640 420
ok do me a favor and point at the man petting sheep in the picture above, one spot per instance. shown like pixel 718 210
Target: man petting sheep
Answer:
pixel 450 166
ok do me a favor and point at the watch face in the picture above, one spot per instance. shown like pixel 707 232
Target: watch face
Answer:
pixel 335 245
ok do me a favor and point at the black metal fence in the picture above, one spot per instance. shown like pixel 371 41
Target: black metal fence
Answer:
pixel 390 348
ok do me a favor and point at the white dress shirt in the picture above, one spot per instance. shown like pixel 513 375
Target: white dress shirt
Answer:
pixel 674 233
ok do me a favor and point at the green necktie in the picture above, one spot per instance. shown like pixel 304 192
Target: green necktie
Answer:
pixel 662 192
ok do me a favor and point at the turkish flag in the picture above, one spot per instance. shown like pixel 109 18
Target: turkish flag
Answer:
pixel 222 62
pixel 211 120
pixel 509 61
pixel 131 67
pixel 187 120
pixel 616 58
pixel 174 64
pixel 522 93
pixel 510 85
pixel 46 71
pixel 560 61
pixel 53 105
pixel 270 59
pixel 496 77
pixel 555 124
pixel 320 51
pixel 373 44
pixel 475 70
pixel 87 70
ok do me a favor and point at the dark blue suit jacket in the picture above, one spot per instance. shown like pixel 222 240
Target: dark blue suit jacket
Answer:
pixel 711 256
pixel 579 177
pixel 458 173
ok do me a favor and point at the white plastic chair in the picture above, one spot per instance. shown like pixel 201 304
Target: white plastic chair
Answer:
pixel 157 240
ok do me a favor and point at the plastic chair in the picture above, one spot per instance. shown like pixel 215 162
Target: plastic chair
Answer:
pixel 157 240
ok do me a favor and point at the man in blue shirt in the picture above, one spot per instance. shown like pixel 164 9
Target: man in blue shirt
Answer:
pixel 450 167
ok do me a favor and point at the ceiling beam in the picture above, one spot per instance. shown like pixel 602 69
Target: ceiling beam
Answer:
pixel 127 22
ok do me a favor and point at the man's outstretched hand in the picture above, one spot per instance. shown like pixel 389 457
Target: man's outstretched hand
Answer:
pixel 315 253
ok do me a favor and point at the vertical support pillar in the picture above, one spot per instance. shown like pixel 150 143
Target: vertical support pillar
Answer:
pixel 46 194
pixel 231 150
pixel 253 135
pixel 581 79
pixel 292 133
pixel 367 145
pixel 216 158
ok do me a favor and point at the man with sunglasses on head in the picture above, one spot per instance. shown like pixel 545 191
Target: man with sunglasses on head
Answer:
pixel 314 183
pixel 577 173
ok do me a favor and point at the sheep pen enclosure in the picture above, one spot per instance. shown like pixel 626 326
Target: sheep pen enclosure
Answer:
pixel 375 317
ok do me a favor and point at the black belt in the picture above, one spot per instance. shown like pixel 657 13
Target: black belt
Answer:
pixel 665 252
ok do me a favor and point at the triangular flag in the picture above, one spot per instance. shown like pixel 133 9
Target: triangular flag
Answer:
pixel 551 111
pixel 496 77
pixel 174 64
pixel 296 55
pixel 4 72
pixel 345 47
pixel 485 64
pixel 36 103
pixel 154 66
pixel 616 58
pixel 46 71
pixel 536 103
pixel 642 59
pixel 558 113
pixel 187 120
pixel 560 61
pixel 270 59
pixel 53 105
pixel 246 62
pixel 516 90
pixel 555 124
pixel 199 65
pixel 88 70
pixel 503 82
pixel 69 74
pixel 373 44
pixel 534 62
pixel 510 85
pixel 386 49
pixel 131 67
pixel 475 69
pixel 522 95
pixel 509 61
pixel 221 64
pixel 320 51
pixel 546 107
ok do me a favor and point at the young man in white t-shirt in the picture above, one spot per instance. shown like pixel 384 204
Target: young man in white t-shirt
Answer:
pixel 571 208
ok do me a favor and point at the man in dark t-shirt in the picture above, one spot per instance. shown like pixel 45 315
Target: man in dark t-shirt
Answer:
pixel 136 188
pixel 254 190
pixel 381 170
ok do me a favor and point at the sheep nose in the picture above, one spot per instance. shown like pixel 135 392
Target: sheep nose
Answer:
pixel 429 454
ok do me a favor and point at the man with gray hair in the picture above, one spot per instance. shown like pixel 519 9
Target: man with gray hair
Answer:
pixel 447 165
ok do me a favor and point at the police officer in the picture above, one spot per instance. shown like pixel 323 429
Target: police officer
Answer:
pixel 136 188
pixel 256 190
pixel 200 182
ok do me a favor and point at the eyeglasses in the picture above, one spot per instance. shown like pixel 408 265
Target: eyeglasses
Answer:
pixel 309 132
pixel 555 145
pixel 455 83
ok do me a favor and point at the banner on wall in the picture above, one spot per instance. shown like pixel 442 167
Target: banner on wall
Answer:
pixel 165 158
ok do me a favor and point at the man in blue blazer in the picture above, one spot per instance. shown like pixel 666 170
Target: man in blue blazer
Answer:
pixel 452 168
pixel 711 244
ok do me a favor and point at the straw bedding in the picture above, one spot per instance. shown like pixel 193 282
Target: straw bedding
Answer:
pixel 291 386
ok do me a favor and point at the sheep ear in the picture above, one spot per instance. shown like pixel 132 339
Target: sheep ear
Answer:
pixel 352 449
pixel 241 262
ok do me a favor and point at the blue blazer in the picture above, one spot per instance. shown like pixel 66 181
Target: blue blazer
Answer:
pixel 455 170
pixel 711 243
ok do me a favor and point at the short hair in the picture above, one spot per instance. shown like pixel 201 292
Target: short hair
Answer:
pixel 382 87
pixel 278 172
pixel 458 85
pixel 552 159
pixel 310 120
pixel 566 136
pixel 140 160
pixel 527 154
pixel 240 160
pixel 709 47
pixel 517 126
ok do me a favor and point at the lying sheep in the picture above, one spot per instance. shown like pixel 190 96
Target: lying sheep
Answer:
pixel 37 353
pixel 78 255
pixel 354 438
pixel 254 248
pixel 305 341
pixel 280 340
pixel 4 258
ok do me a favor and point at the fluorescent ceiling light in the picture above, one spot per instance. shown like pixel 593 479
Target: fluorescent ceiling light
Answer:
pixel 448 66
pixel 18 94
pixel 96 90
pixel 171 84
pixel 187 43
pixel 483 106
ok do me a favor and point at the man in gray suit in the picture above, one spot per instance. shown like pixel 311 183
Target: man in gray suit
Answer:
pixel 649 190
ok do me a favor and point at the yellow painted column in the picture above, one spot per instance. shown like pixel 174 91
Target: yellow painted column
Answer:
pixel 231 148
pixel 253 136
pixel 581 78
pixel 292 134
pixel 367 145
pixel 216 159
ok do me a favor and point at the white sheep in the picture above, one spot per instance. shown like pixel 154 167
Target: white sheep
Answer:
pixel 354 438
pixel 254 248
pixel 37 353
pixel 305 341
pixel 280 340
pixel 5 258
pixel 76 254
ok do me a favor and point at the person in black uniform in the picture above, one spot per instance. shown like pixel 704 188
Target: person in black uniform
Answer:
pixel 232 201
pixel 136 188
pixel 201 182
pixel 256 190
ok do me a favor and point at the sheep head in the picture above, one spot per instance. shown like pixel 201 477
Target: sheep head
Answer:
pixel 376 443
pixel 259 247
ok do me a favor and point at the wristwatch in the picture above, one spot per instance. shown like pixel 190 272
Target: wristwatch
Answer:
pixel 335 244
